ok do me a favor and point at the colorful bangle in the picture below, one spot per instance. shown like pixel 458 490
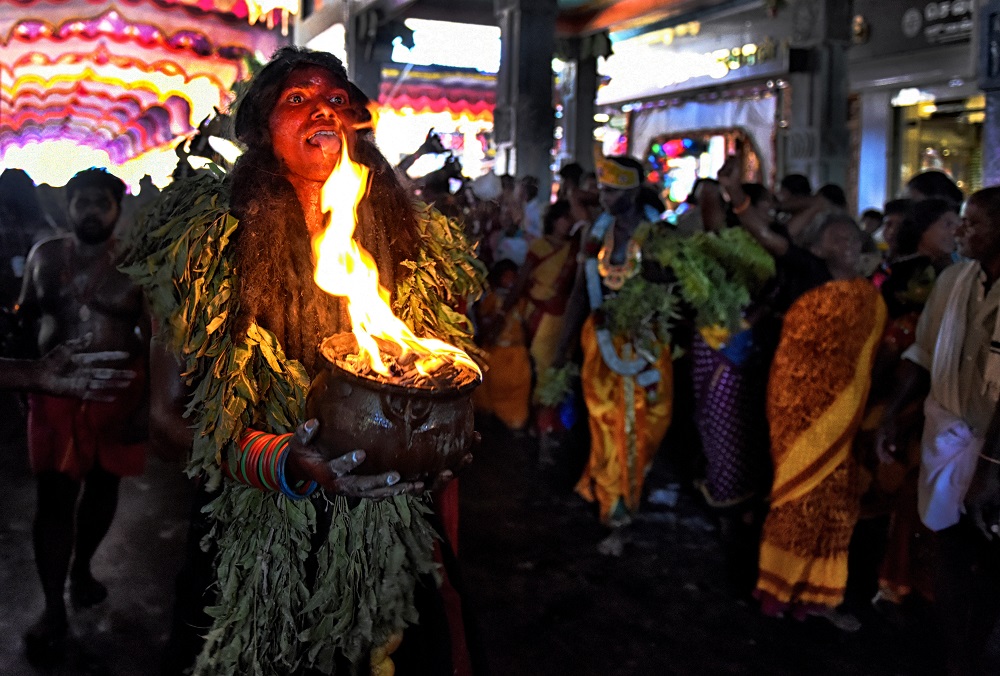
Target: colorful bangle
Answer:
pixel 743 205
pixel 301 489
pixel 261 464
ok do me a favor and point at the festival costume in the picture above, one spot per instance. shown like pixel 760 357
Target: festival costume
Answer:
pixel 70 436
pixel 628 390
pixel 718 274
pixel 311 584
pixel 818 387
pixel 627 424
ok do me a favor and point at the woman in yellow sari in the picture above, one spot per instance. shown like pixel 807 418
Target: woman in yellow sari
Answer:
pixel 817 391
pixel 545 281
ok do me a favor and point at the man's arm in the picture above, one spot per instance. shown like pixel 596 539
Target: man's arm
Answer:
pixel 66 372
pixel 20 374
pixel 799 224
pixel 431 145
pixel 28 307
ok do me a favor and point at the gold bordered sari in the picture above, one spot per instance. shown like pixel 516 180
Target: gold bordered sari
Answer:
pixel 817 391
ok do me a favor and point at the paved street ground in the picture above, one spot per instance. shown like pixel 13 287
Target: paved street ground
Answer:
pixel 547 602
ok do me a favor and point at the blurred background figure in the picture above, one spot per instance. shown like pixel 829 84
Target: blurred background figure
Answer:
pixel 80 449
pixel 506 387
pixel 934 184
pixel 531 209
pixel 23 222
pixel 871 220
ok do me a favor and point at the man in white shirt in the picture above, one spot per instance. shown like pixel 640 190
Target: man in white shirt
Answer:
pixel 955 360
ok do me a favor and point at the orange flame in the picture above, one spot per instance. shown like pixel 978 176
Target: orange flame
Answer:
pixel 343 268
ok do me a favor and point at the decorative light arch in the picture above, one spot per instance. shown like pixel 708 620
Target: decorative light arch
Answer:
pixel 126 79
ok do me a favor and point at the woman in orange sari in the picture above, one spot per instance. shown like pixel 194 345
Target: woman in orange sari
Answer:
pixel 817 392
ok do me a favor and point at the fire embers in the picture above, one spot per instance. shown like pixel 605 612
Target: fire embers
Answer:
pixel 404 368
pixel 415 424
pixel 344 268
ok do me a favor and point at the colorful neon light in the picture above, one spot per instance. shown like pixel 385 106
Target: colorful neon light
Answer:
pixel 112 25
pixel 121 83
pixel 270 12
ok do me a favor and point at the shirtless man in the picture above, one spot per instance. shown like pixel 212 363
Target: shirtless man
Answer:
pixel 72 289
pixel 66 372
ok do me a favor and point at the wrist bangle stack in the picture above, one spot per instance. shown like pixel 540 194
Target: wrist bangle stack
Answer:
pixel 261 464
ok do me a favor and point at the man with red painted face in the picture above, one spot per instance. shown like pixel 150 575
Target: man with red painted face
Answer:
pixel 319 569
pixel 80 448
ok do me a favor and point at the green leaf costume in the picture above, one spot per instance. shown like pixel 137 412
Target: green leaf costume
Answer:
pixel 271 615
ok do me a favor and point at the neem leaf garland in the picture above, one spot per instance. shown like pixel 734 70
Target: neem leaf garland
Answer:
pixel 268 619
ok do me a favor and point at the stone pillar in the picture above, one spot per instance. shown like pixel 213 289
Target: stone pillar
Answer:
pixel 989 82
pixel 583 111
pixel 523 119
pixel 578 101
pixel 874 171
pixel 817 142
pixel 369 46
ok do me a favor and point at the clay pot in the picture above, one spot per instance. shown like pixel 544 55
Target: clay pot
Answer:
pixel 414 431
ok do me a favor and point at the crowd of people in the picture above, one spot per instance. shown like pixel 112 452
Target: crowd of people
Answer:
pixel 832 370
pixel 857 382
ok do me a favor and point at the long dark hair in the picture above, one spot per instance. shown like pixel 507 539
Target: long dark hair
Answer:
pixel 925 213
pixel 273 247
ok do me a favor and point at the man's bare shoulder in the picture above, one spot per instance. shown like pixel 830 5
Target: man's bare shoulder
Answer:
pixel 50 248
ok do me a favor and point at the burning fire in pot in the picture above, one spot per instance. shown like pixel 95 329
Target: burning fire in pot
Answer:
pixel 387 347
pixel 403 399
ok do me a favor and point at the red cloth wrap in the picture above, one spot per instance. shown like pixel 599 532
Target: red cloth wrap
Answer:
pixel 69 435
